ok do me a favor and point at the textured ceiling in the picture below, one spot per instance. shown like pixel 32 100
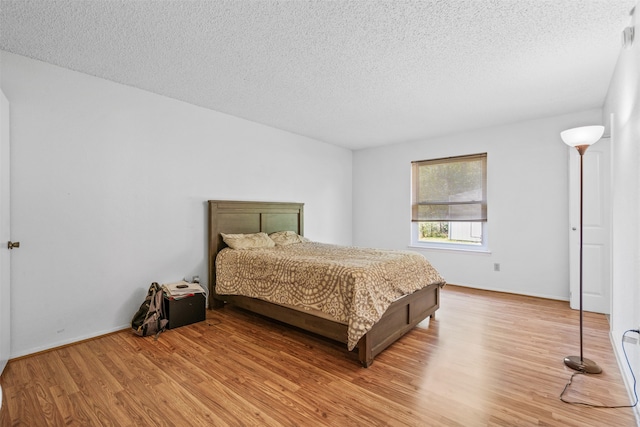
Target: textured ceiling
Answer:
pixel 351 73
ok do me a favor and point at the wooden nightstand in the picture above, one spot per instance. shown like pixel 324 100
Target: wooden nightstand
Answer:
pixel 184 311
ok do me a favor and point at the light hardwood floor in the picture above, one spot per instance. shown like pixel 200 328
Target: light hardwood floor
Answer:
pixel 488 359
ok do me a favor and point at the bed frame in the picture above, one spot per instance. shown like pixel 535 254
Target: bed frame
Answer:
pixel 269 217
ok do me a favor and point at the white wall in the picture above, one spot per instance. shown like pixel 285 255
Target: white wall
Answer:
pixel 622 106
pixel 108 190
pixel 528 204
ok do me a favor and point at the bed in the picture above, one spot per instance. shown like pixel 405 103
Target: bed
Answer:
pixel 239 217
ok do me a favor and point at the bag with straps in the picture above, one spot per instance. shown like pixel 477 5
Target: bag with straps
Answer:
pixel 150 318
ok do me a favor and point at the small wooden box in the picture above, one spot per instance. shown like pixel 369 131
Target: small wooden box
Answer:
pixel 184 311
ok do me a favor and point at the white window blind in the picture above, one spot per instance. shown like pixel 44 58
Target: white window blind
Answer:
pixel 450 189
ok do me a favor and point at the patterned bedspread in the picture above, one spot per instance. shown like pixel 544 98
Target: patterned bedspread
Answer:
pixel 353 285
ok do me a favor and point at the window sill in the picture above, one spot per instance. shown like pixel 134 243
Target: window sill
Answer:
pixel 481 251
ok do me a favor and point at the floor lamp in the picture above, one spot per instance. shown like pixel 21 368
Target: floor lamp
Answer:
pixel 581 138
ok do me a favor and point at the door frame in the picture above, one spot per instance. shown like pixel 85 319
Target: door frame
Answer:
pixel 5 232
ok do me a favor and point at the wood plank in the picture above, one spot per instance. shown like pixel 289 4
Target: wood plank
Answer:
pixel 489 359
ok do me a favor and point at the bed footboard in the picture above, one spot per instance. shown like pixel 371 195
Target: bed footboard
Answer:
pixel 402 316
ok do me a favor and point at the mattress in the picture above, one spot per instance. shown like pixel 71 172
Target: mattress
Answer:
pixel 351 285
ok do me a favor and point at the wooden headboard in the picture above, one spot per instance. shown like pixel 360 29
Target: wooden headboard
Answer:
pixel 247 217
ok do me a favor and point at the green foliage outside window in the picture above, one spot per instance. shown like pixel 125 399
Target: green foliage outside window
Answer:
pixel 433 230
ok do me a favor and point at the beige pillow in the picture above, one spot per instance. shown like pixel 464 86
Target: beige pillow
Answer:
pixel 248 241
pixel 283 238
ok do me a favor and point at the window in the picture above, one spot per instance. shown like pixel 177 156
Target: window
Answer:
pixel 449 202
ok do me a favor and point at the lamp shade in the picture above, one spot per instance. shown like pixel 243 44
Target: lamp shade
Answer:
pixel 585 135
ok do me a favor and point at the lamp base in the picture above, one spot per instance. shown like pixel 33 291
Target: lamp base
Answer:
pixel 585 365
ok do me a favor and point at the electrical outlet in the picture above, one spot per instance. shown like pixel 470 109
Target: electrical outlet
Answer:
pixel 496 266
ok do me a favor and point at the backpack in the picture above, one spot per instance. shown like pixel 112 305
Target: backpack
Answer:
pixel 150 318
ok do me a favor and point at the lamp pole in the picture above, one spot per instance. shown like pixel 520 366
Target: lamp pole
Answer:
pixel 574 362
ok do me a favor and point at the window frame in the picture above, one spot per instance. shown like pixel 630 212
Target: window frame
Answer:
pixel 415 242
pixel 483 247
